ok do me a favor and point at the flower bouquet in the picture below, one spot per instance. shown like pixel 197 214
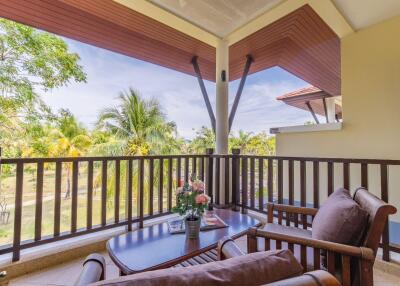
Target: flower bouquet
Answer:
pixel 191 203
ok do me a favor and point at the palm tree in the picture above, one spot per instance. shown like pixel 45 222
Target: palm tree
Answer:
pixel 139 122
pixel 135 127
pixel 241 141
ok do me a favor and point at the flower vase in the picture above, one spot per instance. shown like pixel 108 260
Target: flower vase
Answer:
pixel 192 227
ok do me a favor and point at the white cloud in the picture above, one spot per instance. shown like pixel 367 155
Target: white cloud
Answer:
pixel 179 94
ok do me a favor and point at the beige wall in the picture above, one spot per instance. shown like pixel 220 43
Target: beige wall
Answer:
pixel 371 110
pixel 371 101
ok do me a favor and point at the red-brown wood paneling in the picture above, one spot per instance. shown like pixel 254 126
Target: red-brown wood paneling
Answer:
pixel 300 42
pixel 109 25
pixel 308 48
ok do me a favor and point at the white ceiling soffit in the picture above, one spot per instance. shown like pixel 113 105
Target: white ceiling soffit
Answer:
pixel 219 17
pixel 363 13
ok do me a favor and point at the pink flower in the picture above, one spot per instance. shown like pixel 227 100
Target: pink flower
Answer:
pixel 202 199
pixel 179 190
pixel 198 186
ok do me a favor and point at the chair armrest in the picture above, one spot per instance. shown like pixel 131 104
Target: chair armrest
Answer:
pixel 289 209
pixel 313 278
pixel 93 270
pixel 362 252
pixel 227 248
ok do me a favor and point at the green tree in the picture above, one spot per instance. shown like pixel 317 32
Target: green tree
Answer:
pixel 30 61
pixel 241 141
pixel 140 123
pixel 65 138
pixel 205 138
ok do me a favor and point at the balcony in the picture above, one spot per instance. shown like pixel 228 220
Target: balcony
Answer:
pixel 58 210
pixel 110 195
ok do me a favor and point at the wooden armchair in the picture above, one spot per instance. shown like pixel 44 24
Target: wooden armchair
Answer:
pixel 356 264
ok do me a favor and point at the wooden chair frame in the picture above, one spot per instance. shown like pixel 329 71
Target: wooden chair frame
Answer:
pixel 359 259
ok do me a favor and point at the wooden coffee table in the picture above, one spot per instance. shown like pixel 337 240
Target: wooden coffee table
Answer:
pixel 154 247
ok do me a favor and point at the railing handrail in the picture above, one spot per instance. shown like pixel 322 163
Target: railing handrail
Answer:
pixel 33 160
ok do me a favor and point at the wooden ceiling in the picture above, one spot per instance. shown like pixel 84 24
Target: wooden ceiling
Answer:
pixel 300 42
pixel 109 25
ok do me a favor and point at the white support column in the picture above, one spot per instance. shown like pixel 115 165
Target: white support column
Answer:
pixel 330 109
pixel 222 113
pixel 222 96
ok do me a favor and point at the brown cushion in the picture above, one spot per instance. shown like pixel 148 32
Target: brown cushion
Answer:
pixel 340 219
pixel 251 269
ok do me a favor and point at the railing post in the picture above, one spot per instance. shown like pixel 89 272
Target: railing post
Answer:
pixel 210 176
pixel 235 178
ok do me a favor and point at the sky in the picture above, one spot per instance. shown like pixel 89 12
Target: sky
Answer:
pixel 109 73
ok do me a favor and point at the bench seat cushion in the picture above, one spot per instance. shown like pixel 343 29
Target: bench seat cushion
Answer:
pixel 253 269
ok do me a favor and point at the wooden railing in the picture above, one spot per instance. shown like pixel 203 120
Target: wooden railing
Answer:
pixel 143 188
pixel 303 181
pixel 154 177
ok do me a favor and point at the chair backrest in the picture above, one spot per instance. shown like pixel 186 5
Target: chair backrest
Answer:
pixel 378 211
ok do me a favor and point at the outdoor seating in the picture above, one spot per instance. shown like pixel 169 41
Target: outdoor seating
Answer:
pixel 279 267
pixel 355 266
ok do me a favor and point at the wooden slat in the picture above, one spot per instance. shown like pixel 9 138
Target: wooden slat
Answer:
pixel 18 212
pixel 364 175
pixel 303 257
pixel 244 184
pixel 117 190
pixel 261 184
pixel 291 182
pixel 303 175
pixel 278 244
pixel 141 192
pixel 160 186
pixel 280 181
pixel 252 182
pixel 270 181
pixel 385 198
pixel 202 168
pixel 303 190
pixel 194 166
pixel 288 218
pixel 74 196
pixel 346 176
pixel 89 210
pixel 217 180
pixel 210 180
pixel 235 180
pixel 178 172
pixel 227 180
pixel 317 258
pixel 170 181
pixel 330 178
pixel 331 262
pixel 187 169
pixel 151 186
pixel 267 244
pixel 39 200
pixel 104 193
pixel 129 193
pixel 346 277
pixel 291 247
pixel 57 199
pixel 206 258
pixel 316 184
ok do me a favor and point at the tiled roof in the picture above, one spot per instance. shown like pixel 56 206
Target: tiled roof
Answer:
pixel 302 91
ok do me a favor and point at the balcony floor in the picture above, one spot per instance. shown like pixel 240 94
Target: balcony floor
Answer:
pixel 65 274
